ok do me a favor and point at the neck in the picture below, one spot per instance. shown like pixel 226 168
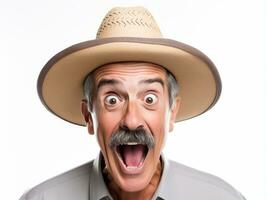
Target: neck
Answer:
pixel 118 194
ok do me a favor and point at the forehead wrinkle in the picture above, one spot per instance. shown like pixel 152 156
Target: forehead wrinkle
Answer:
pixel 105 81
pixel 128 68
pixel 115 74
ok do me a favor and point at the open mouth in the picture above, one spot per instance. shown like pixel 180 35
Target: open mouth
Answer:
pixel 132 155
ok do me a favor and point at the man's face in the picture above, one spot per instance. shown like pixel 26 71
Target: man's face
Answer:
pixel 132 96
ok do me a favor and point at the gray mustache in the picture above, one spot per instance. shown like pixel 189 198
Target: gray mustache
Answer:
pixel 124 136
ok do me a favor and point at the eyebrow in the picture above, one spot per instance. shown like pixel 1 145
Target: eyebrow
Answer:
pixel 104 82
pixel 153 80
pixel 107 82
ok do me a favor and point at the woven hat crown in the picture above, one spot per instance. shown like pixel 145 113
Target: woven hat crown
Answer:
pixel 129 22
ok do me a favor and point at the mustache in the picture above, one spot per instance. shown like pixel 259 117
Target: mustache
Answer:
pixel 124 135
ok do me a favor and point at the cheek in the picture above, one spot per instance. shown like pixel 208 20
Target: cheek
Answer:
pixel 159 124
pixel 108 122
pixel 158 118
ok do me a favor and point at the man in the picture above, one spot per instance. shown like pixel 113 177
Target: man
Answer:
pixel 132 86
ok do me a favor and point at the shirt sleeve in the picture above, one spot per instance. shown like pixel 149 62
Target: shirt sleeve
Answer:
pixel 243 198
pixel 23 197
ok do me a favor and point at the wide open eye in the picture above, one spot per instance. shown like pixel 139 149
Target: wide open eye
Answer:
pixel 111 100
pixel 150 99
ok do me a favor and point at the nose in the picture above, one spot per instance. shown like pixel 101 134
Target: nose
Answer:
pixel 132 117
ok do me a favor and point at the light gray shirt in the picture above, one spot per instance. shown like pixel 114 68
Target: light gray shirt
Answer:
pixel 178 182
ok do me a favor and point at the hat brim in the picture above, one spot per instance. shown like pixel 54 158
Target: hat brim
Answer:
pixel 60 83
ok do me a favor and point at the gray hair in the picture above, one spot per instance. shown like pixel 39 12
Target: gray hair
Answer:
pixel 89 88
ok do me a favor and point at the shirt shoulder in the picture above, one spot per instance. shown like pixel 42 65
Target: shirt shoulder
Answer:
pixel 194 184
pixel 67 186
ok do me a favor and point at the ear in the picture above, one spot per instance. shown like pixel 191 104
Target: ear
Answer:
pixel 87 116
pixel 173 112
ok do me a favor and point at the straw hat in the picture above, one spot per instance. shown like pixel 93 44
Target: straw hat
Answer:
pixel 128 34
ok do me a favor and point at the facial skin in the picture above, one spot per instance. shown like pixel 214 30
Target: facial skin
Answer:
pixel 131 95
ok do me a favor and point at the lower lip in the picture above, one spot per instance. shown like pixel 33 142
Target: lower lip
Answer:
pixel 131 170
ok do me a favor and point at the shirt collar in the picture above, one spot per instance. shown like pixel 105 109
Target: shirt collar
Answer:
pixel 166 183
pixel 98 189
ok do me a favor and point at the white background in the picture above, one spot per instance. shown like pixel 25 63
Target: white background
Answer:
pixel 228 141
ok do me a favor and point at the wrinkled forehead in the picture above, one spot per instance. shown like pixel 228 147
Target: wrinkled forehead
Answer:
pixel 129 70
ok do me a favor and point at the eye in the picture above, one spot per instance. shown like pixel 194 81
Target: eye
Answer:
pixel 111 100
pixel 150 99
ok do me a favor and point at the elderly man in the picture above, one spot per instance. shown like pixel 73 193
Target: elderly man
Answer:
pixel 132 86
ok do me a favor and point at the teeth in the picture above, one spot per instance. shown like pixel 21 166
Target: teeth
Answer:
pixel 131 167
pixel 132 143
